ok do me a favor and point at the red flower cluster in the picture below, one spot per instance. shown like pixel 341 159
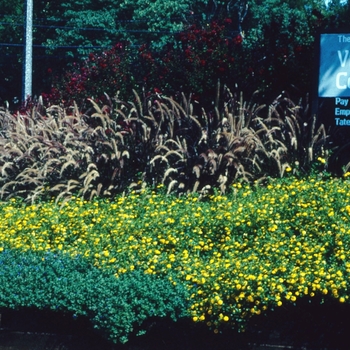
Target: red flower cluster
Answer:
pixel 201 56
pixel 192 64
pixel 98 74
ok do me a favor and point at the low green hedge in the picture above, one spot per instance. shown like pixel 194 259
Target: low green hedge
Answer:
pixel 116 307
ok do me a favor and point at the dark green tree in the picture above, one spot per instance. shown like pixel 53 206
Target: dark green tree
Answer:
pixel 11 37
pixel 12 21
pixel 279 43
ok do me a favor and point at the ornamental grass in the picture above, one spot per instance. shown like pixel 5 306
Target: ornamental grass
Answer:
pixel 152 140
pixel 233 256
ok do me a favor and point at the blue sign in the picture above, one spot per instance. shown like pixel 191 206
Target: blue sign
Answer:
pixel 334 73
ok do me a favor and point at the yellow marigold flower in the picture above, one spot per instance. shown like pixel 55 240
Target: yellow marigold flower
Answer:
pixel 250 299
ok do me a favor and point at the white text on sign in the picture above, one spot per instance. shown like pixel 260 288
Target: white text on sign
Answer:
pixel 342 80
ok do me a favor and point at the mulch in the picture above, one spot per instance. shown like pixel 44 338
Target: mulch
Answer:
pixel 303 326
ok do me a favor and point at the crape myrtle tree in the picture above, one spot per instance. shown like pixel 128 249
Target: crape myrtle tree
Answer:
pixel 152 43
pixel 186 47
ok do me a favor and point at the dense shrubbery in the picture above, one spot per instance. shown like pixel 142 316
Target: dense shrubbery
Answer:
pixel 276 52
pixel 193 62
pixel 228 257
pixel 270 48
pixel 116 307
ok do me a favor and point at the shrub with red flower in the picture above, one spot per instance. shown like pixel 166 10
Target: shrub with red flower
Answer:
pixel 195 62
pixel 192 64
pixel 103 73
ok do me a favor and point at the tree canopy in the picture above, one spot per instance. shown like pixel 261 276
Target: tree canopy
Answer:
pixel 274 32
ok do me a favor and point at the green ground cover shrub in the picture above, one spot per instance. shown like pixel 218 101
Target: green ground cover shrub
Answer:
pixel 57 282
pixel 236 255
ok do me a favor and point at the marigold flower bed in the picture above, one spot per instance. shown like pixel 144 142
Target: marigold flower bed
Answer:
pixel 243 254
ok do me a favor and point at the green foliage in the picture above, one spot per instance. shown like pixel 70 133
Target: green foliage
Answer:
pixel 239 255
pixel 279 45
pixel 194 63
pixel 10 33
pixel 277 48
pixel 136 21
pixel 116 307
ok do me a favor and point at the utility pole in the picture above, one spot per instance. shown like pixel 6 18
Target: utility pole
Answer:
pixel 28 52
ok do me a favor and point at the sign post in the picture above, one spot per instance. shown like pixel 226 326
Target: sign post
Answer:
pixel 28 52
